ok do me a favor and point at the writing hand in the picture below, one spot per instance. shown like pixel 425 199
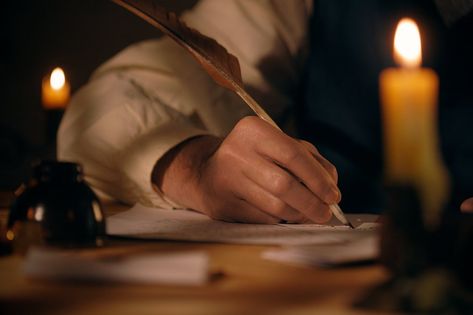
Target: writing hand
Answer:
pixel 252 175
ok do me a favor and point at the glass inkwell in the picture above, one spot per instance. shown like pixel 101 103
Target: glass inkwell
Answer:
pixel 56 207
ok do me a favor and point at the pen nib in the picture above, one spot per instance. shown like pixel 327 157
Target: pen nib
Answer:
pixel 338 213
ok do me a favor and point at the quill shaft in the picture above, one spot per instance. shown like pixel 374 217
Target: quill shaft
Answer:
pixel 260 112
pixel 338 213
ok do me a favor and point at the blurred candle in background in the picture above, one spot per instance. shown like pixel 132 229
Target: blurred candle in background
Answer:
pixel 55 95
pixel 55 90
pixel 409 108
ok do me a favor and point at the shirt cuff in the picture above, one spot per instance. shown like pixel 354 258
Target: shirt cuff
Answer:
pixel 139 159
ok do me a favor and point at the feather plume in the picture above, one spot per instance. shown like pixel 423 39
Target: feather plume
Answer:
pixel 222 66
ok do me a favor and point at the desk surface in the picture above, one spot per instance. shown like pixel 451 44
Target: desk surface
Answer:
pixel 249 285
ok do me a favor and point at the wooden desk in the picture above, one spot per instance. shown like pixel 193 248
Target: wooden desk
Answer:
pixel 249 285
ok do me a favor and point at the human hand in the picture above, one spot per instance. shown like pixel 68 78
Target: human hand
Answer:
pixel 257 174
pixel 467 205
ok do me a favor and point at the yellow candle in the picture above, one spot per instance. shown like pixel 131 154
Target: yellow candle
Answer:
pixel 409 108
pixel 55 92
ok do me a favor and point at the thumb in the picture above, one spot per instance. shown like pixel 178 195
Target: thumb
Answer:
pixel 467 205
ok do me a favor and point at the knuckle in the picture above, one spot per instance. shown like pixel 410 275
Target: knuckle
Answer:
pixel 310 146
pixel 326 193
pixel 290 155
pixel 312 205
pixel 319 211
pixel 332 171
pixel 324 189
pixel 247 122
pixel 247 130
pixel 280 184
pixel 226 150
pixel 277 207
pixel 229 153
pixel 314 148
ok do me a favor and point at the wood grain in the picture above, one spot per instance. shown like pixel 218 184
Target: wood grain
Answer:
pixel 248 285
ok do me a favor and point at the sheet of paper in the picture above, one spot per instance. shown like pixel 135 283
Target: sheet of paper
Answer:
pixel 186 268
pixel 360 249
pixel 152 223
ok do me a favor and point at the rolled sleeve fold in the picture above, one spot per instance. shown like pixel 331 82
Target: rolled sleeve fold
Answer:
pixel 138 160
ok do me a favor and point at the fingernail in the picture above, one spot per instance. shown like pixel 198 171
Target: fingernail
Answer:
pixel 339 195
pixel 334 195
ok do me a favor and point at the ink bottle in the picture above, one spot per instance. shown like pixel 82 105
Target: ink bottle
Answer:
pixel 56 207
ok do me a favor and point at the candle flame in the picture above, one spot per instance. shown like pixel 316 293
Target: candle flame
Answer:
pixel 58 79
pixel 407 45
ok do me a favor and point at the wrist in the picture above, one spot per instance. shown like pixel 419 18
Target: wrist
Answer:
pixel 178 173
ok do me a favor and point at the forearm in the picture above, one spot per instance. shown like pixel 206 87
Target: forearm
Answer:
pixel 117 130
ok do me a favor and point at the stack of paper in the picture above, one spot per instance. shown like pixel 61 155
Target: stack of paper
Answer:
pixel 190 268
pixel 152 223
pixel 358 250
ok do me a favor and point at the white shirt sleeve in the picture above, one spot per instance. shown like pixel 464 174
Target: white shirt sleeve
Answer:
pixel 153 95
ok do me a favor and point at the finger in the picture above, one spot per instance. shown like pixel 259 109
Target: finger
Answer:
pixel 240 211
pixel 309 146
pixel 296 159
pixel 268 203
pixel 287 188
pixel 467 205
pixel 329 167
pixel 290 154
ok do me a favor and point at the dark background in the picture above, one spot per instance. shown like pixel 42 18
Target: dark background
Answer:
pixel 37 36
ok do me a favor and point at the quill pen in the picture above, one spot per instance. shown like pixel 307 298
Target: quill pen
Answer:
pixel 222 66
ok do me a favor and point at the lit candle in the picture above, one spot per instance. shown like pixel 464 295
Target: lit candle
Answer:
pixel 409 107
pixel 55 90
